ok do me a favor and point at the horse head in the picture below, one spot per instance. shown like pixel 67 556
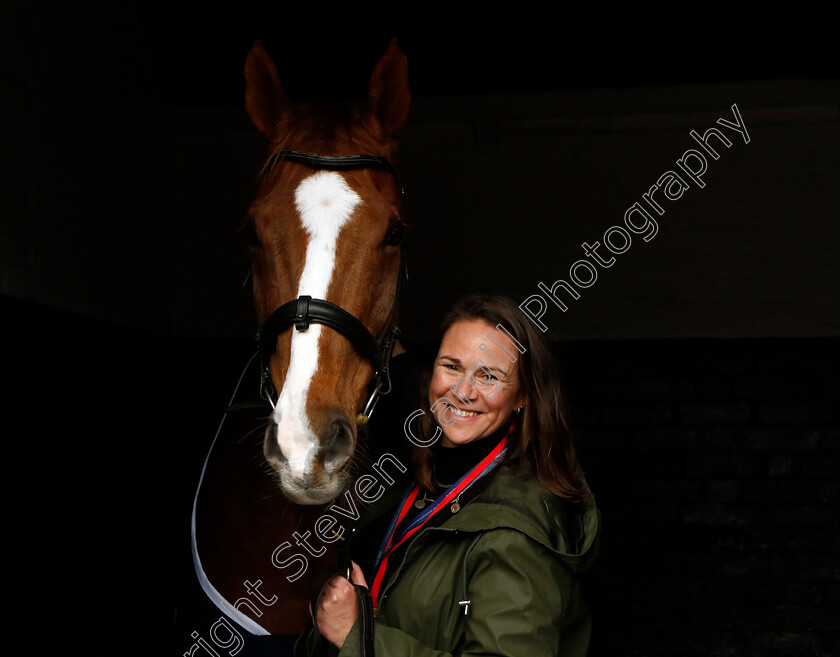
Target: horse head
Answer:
pixel 325 234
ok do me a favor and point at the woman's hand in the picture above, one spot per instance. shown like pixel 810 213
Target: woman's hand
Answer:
pixel 338 607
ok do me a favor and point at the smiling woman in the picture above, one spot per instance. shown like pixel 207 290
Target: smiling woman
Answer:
pixel 512 377
pixel 482 553
pixel 483 404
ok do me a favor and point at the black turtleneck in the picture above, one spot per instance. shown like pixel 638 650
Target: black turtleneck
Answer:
pixel 452 463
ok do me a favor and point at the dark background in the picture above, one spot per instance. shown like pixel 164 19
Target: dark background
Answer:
pixel 703 372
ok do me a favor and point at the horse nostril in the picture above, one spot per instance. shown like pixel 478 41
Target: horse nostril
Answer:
pixel 338 444
pixel 271 448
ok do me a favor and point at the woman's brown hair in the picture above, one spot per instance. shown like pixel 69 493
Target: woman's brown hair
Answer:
pixel 543 444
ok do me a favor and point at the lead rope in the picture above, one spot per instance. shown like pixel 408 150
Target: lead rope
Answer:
pixel 313 644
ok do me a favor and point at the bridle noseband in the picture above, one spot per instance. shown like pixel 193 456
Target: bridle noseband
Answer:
pixel 305 310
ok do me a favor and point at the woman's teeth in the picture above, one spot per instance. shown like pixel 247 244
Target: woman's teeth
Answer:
pixel 459 413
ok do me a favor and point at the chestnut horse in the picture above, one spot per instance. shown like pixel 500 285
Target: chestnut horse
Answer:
pixel 325 234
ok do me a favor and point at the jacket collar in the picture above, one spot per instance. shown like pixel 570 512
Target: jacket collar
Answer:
pixel 511 501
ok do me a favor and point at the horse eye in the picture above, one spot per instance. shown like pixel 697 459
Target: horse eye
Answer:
pixel 395 235
pixel 250 232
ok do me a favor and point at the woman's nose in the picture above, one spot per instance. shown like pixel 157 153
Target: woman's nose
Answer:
pixel 465 390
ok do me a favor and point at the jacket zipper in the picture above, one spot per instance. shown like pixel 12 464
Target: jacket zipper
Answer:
pixel 408 549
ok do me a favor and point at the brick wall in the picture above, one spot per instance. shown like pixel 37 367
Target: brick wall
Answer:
pixel 715 464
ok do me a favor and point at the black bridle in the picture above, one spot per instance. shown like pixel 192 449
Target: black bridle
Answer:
pixel 305 310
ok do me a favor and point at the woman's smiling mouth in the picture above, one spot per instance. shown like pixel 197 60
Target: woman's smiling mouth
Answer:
pixel 459 413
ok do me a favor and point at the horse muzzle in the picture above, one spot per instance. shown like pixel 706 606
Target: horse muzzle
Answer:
pixel 310 464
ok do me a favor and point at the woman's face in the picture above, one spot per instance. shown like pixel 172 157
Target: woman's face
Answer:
pixel 472 394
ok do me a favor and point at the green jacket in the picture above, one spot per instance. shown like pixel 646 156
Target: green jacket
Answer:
pixel 514 553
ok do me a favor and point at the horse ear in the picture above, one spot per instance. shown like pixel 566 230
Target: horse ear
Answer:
pixel 265 98
pixel 389 96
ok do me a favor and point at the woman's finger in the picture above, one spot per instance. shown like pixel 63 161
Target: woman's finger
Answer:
pixel 357 576
pixel 337 590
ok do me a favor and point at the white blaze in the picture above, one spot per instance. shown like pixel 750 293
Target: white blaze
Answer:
pixel 325 203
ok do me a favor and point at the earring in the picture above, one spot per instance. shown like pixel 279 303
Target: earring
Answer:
pixel 519 410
